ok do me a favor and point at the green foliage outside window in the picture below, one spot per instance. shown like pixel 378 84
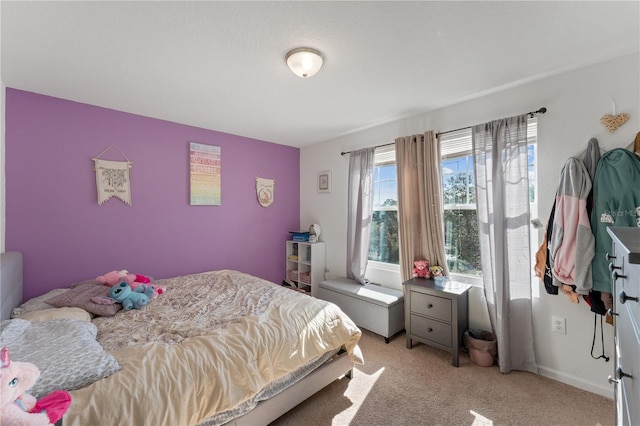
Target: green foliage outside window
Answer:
pixel 383 240
pixel 461 242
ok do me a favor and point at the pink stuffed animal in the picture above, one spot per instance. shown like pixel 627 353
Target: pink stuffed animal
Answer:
pixel 116 277
pixel 158 290
pixel 421 269
pixel 142 279
pixel 18 407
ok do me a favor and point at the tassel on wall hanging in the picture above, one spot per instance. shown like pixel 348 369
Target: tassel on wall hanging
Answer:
pixel 265 190
pixel 113 178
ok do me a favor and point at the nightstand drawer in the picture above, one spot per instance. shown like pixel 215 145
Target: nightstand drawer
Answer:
pixel 435 331
pixel 433 306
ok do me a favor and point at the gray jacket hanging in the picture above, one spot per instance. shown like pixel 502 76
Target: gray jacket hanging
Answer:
pixel 572 244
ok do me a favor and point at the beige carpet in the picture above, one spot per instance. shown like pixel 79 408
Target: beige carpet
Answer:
pixel 419 386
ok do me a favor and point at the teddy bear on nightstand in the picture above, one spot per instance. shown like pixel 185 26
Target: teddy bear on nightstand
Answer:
pixel 421 269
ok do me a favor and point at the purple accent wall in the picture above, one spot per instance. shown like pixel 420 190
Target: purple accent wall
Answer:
pixel 53 218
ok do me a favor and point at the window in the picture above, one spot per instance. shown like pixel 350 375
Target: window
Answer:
pixel 383 239
pixel 459 194
pixel 460 216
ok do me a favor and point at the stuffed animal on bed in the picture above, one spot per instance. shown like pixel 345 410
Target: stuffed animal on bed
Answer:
pixel 115 277
pixel 158 290
pixel 421 269
pixel 131 299
pixel 122 293
pixel 18 407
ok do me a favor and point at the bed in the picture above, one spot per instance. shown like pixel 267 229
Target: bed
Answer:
pixel 218 347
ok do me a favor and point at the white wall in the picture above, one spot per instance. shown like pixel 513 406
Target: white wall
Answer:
pixel 575 101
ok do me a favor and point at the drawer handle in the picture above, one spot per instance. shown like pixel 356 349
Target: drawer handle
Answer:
pixel 430 305
pixel 613 267
pixel 615 275
pixel 624 297
pixel 611 380
pixel 621 374
pixel 608 256
pixel 611 313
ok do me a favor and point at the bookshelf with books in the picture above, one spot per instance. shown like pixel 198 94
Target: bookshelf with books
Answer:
pixel 305 265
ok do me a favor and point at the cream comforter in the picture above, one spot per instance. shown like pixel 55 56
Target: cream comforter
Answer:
pixel 210 343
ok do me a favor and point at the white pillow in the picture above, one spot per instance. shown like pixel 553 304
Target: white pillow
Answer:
pixel 37 303
pixel 65 350
pixel 56 313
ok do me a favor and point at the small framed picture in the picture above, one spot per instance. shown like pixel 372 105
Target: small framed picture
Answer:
pixel 324 181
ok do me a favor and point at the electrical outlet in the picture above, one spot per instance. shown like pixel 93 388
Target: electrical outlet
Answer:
pixel 558 324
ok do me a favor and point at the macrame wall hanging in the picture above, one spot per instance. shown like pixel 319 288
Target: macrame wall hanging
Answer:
pixel 265 190
pixel 612 122
pixel 113 178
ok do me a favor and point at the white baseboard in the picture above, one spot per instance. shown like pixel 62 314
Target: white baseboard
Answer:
pixel 605 389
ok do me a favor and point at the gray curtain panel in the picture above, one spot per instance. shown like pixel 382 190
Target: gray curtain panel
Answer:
pixel 360 210
pixel 502 194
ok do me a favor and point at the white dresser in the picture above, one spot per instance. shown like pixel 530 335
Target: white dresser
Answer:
pixel 625 274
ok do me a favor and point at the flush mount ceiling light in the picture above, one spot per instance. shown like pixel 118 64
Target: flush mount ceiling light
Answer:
pixel 304 61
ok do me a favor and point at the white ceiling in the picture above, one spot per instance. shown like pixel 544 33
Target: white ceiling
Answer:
pixel 221 66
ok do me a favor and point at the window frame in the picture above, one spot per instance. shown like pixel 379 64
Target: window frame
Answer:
pixel 459 146
pixel 382 271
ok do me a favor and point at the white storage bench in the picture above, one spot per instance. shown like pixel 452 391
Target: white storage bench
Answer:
pixel 375 308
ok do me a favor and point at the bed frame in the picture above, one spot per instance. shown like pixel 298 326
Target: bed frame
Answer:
pixel 274 407
pixel 10 282
pixel 266 411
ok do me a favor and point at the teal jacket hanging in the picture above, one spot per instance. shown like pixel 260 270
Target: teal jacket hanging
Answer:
pixel 616 197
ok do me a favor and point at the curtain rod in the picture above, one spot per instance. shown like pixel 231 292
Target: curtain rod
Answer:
pixel 377 146
pixel 530 114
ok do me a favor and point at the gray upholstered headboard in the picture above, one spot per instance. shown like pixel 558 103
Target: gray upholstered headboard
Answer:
pixel 10 282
